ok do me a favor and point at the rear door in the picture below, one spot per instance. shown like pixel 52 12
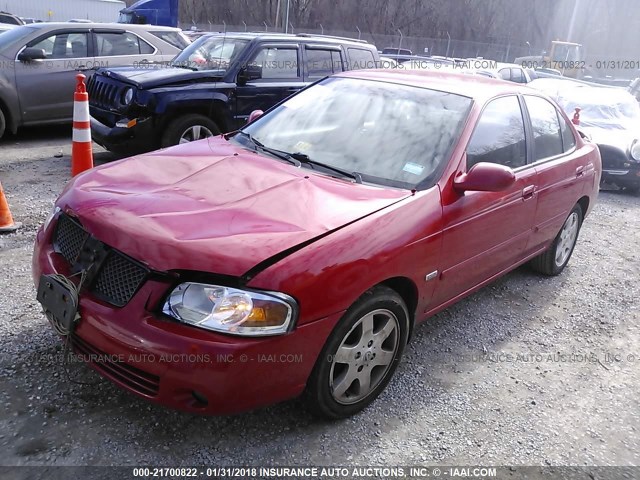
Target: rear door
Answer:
pixel 486 233
pixel 321 61
pixel 561 169
pixel 45 87
pixel 281 66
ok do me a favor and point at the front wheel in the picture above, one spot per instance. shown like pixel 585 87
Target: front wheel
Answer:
pixel 189 128
pixel 555 258
pixel 360 356
pixel 3 123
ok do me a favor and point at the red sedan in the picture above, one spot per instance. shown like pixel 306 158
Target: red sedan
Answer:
pixel 297 254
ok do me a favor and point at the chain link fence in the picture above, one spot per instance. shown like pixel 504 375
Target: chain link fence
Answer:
pixel 446 47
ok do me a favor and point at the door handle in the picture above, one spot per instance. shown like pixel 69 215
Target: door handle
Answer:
pixel 580 171
pixel 528 192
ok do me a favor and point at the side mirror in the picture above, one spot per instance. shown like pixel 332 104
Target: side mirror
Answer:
pixel 256 114
pixel 485 177
pixel 249 73
pixel 30 53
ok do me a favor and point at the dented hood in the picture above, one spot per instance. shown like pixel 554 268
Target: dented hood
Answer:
pixel 210 206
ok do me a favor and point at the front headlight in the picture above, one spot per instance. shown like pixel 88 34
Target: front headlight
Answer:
pixel 231 310
pixel 127 96
pixel 635 150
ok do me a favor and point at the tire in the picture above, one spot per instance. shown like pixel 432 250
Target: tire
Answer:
pixel 179 129
pixel 555 258
pixel 3 123
pixel 335 387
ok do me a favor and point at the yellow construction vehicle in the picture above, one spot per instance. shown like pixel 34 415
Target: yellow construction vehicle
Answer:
pixel 566 57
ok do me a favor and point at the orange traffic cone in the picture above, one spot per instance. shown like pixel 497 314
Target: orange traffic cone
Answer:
pixel 7 225
pixel 81 154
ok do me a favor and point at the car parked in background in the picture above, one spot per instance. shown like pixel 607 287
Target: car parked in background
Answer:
pixel 38 63
pixel 611 118
pixel 396 51
pixel 213 86
pixel 10 19
pixel 317 236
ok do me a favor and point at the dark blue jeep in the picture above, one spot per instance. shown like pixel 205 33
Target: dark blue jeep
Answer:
pixel 212 86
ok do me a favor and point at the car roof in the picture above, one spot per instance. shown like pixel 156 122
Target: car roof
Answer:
pixel 473 86
pixel 296 37
pixel 119 26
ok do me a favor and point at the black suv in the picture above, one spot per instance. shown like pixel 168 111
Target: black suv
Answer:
pixel 212 86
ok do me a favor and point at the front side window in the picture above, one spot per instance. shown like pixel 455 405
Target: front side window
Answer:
pixel 499 135
pixel 63 45
pixel 117 44
pixel 211 53
pixel 547 138
pixel 359 59
pixel 277 63
pixel 390 134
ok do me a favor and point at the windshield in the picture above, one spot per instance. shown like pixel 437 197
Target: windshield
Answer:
pixel 8 37
pixel 211 53
pixel 389 134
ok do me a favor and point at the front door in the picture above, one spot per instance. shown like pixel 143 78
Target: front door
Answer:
pixel 45 87
pixel 485 233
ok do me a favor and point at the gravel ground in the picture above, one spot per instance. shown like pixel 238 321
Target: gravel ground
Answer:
pixel 529 371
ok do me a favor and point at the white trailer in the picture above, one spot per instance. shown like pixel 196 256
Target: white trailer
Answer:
pixel 62 11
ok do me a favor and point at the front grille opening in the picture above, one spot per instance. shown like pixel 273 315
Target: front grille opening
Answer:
pixel 119 277
pixel 69 237
pixel 134 378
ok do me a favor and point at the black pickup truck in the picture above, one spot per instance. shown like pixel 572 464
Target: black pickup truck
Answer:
pixel 212 86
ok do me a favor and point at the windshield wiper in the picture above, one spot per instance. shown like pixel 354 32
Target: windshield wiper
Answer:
pixel 272 151
pixel 304 158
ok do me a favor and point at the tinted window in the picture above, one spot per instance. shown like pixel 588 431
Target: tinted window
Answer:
pixel 360 58
pixel 321 63
pixel 173 38
pixel 278 62
pixel 499 135
pixel 547 139
pixel 64 45
pixel 116 44
pixel 505 74
pixel 568 140
pixel 517 76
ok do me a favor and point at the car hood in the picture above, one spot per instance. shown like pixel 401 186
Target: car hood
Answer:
pixel 210 206
pixel 621 138
pixel 153 75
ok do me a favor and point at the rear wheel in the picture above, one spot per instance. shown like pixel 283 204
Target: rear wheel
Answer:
pixel 360 356
pixel 555 258
pixel 189 128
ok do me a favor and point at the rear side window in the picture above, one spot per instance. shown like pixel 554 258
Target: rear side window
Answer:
pixel 517 75
pixel 505 74
pixel 499 135
pixel 64 45
pixel 359 59
pixel 173 38
pixel 547 138
pixel 125 43
pixel 321 63
pixel 568 140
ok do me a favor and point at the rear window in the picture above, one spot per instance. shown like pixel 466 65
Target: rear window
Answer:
pixel 359 59
pixel 176 39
